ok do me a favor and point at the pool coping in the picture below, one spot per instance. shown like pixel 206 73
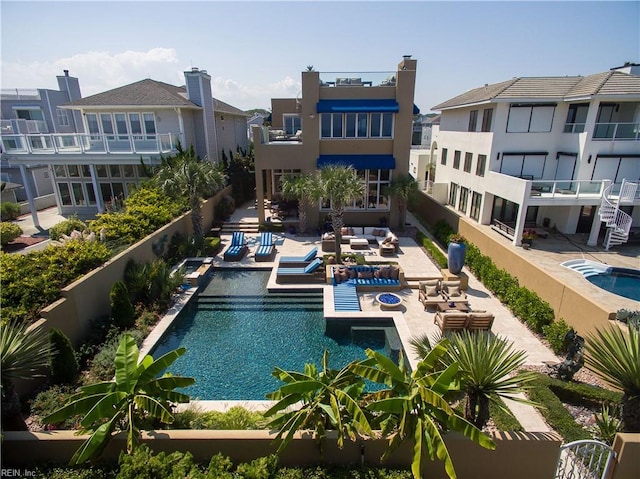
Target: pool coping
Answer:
pixel 183 298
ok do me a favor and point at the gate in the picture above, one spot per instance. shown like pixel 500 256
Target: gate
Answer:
pixel 584 460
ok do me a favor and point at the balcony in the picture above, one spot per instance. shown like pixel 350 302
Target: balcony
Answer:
pixel 82 143
pixel 361 79
pixel 19 94
pixel 16 126
pixel 566 188
pixel 277 135
pixel 617 131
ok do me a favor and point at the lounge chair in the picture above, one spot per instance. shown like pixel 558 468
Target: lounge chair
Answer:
pixel 267 248
pixel 451 321
pixel 430 293
pixel 480 321
pixel 453 293
pixel 237 248
pixel 301 261
pixel 288 275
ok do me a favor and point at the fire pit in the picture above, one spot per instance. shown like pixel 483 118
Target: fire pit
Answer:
pixel 389 300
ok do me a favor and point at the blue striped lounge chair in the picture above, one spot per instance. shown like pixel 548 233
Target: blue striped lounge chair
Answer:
pixel 301 274
pixel 237 248
pixel 300 261
pixel 267 248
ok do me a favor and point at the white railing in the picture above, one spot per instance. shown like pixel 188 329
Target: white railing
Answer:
pixel 79 143
pixel 574 127
pixel 19 94
pixel 566 188
pixel 616 131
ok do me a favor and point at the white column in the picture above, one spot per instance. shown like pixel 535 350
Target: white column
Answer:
pixel 96 188
pixel 30 198
pixel 595 228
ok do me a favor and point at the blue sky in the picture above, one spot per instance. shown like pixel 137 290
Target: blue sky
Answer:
pixel 255 51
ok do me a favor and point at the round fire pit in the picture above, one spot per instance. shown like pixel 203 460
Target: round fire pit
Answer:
pixel 389 300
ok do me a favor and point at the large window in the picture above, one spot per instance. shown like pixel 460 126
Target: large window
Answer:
pixel 456 159
pixel 149 125
pixel 468 158
pixel 453 194
pixel 530 118
pixel 291 124
pixel 375 181
pixel 356 125
pixel 29 113
pixel 473 120
pixel 443 158
pixel 381 125
pixel 464 197
pixel 476 201
pixel 136 124
pixel 487 116
pixel 63 117
pixel 331 125
pixel 481 165
pixel 121 125
pixel 576 118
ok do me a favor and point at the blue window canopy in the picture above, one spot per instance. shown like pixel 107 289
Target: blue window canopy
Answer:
pixel 416 110
pixel 359 162
pixel 367 105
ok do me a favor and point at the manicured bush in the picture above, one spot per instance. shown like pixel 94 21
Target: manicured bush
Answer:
pixel 555 333
pixel 211 246
pixel 144 463
pixel 122 310
pixel 9 232
pixel 260 468
pixel 235 418
pixel 66 227
pixel 432 250
pixel 270 226
pixel 63 363
pixel 9 211
pixel 442 231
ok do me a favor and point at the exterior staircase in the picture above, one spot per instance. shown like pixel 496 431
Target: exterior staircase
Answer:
pixel 617 221
pixel 247 227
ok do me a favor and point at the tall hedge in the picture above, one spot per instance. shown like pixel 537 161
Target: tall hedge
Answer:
pixel 63 363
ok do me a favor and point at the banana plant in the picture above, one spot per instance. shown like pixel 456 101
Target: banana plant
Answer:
pixel 414 406
pixel 327 399
pixel 135 395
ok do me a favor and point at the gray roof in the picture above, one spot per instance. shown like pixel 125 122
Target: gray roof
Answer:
pixel 550 88
pixel 222 107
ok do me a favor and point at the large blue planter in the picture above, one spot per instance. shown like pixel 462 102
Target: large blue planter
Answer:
pixel 456 254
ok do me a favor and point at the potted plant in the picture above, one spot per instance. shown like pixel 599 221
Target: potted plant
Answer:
pixel 527 238
pixel 456 253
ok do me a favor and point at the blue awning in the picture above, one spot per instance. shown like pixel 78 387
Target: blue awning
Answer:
pixel 365 105
pixel 416 110
pixel 359 162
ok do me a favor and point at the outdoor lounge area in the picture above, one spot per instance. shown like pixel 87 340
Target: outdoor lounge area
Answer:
pixel 237 249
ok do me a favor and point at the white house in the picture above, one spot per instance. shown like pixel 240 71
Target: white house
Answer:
pixel 551 151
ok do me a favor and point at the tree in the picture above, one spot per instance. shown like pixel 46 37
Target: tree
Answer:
pixel 63 363
pixel 135 395
pixel 340 186
pixel 329 400
pixel 24 351
pixel 402 187
pixel 415 405
pixel 489 369
pixel 614 356
pixel 302 188
pixel 122 310
pixel 187 175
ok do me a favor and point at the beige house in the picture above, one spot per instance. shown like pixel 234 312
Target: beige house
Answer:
pixel 359 119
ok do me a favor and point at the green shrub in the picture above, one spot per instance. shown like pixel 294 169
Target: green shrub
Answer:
pixel 66 227
pixel 122 310
pixel 442 231
pixel 143 463
pixel 270 226
pixel 261 468
pixel 433 251
pixel 102 367
pixel 146 320
pixel 9 211
pixel 607 424
pixel 236 418
pixel 220 467
pixel 63 363
pixel 82 472
pixel 504 421
pixel 211 246
pixel 49 401
pixel 9 232
pixel 555 333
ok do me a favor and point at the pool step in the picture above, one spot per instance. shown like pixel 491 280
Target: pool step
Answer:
pixel 306 302
pixel 345 297
pixel 586 267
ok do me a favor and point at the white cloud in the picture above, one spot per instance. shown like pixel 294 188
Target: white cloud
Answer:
pixel 97 70
pixel 253 96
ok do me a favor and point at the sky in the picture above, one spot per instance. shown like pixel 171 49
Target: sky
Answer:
pixel 255 51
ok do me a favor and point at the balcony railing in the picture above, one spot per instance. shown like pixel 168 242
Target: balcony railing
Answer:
pixel 80 143
pixel 351 79
pixel 574 127
pixel 17 126
pixel 616 131
pixel 19 94
pixel 271 135
pixel 566 188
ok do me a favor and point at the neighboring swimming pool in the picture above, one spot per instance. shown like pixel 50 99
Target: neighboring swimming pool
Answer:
pixel 235 333
pixel 621 281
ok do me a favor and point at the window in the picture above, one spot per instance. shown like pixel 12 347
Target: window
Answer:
pixel 60 171
pixel 473 120
pixel 576 118
pixel 375 181
pixel 121 126
pixel 456 159
pixel 530 118
pixel 464 196
pixel 29 114
pixel 481 165
pixel 487 116
pixel 468 158
pixel 136 126
pixel 356 125
pixel 107 124
pixel 291 124
pixel 453 194
pixel 63 117
pixel 92 125
pixel 149 125
pixel 476 201
pixel 331 125
pixel 74 171
pixel 65 194
pixel 381 125
pixel 78 194
pixel 443 159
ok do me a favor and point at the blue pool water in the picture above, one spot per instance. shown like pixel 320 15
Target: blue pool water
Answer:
pixel 235 333
pixel 621 281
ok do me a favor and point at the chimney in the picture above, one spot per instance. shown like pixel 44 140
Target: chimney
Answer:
pixel 66 73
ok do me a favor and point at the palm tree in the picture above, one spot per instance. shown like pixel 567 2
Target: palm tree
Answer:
pixel 415 405
pixel 135 395
pixel 488 368
pixel 301 188
pixel 329 400
pixel 24 352
pixel 187 175
pixel 340 185
pixel 402 187
pixel 614 356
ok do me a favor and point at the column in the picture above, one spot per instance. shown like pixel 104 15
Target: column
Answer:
pixel 595 228
pixel 30 198
pixel 96 188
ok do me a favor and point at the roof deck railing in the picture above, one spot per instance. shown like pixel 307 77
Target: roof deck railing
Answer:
pixel 361 79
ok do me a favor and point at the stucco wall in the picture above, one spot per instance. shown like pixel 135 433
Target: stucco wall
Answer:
pixel 522 455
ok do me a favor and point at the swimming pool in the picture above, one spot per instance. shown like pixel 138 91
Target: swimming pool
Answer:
pixel 621 281
pixel 235 333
